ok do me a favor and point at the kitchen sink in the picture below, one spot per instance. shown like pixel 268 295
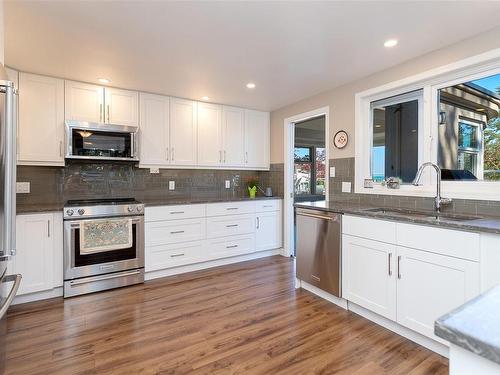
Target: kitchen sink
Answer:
pixel 423 214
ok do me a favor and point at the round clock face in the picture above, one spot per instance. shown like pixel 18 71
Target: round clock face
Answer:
pixel 340 139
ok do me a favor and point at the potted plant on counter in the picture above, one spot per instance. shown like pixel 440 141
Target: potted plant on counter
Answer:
pixel 252 183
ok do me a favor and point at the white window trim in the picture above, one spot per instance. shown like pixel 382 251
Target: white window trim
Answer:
pixel 430 82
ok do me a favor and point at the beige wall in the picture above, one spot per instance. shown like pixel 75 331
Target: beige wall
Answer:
pixel 341 99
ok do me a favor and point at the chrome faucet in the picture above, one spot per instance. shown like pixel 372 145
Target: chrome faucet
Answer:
pixel 438 200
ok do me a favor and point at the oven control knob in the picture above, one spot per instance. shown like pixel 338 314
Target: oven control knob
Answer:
pixel 70 212
pixel 81 211
pixel 130 208
pixel 139 208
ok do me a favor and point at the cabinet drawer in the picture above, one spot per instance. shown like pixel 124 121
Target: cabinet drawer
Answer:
pixel 372 229
pixel 173 255
pixel 230 208
pixel 174 212
pixel 267 205
pixel 223 226
pixel 175 231
pixel 464 245
pixel 231 246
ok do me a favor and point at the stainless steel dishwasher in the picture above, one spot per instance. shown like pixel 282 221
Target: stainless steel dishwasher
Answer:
pixel 319 250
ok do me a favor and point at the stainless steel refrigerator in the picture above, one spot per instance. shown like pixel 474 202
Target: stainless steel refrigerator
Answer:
pixel 8 283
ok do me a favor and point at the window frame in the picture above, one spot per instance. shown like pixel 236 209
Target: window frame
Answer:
pixel 430 82
pixel 312 163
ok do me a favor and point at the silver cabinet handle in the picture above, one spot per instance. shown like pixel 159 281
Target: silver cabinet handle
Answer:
pixel 231 208
pixel 17 281
pixel 48 228
pixel 224 156
pixel 173 154
pixel 399 266
pixel 176 212
pixel 101 117
pixel 231 246
pixel 258 222
pixel 177 255
pixel 177 232
pixel 231 225
pixel 108 112
pixel 246 157
pixel 389 263
pixel 220 156
pixel 167 154
pixel 60 149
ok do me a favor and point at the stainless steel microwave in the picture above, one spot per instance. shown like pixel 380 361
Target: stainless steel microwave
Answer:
pixel 96 141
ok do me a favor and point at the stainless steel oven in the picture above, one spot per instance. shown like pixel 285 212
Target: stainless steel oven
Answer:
pixel 95 141
pixel 86 272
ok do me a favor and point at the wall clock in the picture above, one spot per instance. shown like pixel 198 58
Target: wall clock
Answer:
pixel 340 139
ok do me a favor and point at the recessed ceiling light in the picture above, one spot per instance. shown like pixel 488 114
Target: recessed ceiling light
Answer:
pixel 205 98
pixel 250 85
pixel 103 80
pixel 390 43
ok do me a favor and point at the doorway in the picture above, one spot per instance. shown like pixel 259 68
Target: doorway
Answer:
pixel 309 186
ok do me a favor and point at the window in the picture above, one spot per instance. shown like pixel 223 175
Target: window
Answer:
pixel 309 171
pixel 395 130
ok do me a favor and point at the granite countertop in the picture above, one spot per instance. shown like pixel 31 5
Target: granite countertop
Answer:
pixel 474 326
pixel 150 202
pixel 471 223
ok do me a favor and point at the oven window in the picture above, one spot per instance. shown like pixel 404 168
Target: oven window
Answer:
pixel 99 143
pixel 105 256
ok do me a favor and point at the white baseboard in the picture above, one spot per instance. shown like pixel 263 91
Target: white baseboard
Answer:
pixel 321 293
pixel 46 294
pixel 213 263
pixel 400 330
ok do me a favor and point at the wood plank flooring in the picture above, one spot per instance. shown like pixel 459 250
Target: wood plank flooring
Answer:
pixel 245 318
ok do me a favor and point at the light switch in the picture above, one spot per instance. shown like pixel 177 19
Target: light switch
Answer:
pixel 171 185
pixel 346 187
pixel 332 172
pixel 23 187
pixel 228 184
pixel 154 170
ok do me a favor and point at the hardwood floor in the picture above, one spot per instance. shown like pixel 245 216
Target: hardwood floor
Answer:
pixel 245 318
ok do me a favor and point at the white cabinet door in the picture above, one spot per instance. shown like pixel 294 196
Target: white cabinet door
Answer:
pixel 431 285
pixel 122 107
pixel 154 129
pixel 34 258
pixel 369 274
pixel 233 136
pixel 268 231
pixel 84 102
pixel 182 132
pixel 41 120
pixel 257 134
pixel 210 151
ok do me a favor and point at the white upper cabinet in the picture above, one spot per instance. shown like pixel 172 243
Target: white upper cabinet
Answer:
pixel 183 134
pixel 84 102
pixel 210 152
pixel 154 129
pixel 41 120
pixel 121 107
pixel 93 103
pixel 257 134
pixel 233 136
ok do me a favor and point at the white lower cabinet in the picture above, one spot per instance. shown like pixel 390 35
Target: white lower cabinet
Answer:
pixel 408 284
pixel 189 234
pixel 39 252
pixel 431 285
pixel 369 277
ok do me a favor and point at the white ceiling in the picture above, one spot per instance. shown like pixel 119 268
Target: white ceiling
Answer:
pixel 291 50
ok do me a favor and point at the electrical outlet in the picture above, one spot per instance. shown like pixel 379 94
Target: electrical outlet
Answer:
pixel 228 184
pixel 332 172
pixel 171 185
pixel 154 170
pixel 346 187
pixel 23 187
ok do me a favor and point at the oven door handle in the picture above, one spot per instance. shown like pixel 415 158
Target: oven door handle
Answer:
pixel 104 277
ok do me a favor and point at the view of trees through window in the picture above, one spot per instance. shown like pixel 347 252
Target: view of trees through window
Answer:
pixel 309 170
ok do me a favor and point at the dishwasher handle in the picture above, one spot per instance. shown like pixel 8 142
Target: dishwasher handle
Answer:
pixel 323 217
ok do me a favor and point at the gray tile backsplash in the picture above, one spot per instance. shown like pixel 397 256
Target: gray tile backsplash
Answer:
pixel 344 171
pixel 55 185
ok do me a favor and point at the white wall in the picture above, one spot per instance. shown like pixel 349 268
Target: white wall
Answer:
pixel 341 99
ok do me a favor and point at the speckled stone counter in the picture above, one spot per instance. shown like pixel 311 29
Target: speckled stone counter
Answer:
pixel 475 326
pixel 470 224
